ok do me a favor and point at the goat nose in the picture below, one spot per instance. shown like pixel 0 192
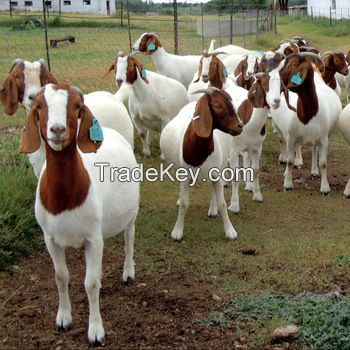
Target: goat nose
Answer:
pixel 119 82
pixel 205 77
pixel 240 125
pixel 277 100
pixel 57 129
pixel 346 71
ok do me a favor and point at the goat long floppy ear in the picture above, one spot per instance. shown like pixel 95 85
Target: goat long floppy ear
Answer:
pixel 30 139
pixel 256 95
pixel 142 71
pixel 222 71
pixel 46 77
pixel 202 118
pixel 86 122
pixel 286 96
pixel 200 68
pixel 9 96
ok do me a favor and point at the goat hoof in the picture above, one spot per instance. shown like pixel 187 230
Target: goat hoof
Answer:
pixel 60 328
pixel 129 281
pixel 347 195
pixel 315 176
pixel 283 162
pixel 96 343
pixel 287 189
pixel 325 193
pixel 212 216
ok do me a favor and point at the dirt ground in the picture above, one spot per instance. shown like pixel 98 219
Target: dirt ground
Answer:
pixel 157 311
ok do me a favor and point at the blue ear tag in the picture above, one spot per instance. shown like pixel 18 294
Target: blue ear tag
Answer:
pixel 259 53
pixel 95 132
pixel 225 72
pixel 296 79
pixel 151 47
pixel 143 73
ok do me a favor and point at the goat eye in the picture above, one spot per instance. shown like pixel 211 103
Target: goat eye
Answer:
pixel 17 77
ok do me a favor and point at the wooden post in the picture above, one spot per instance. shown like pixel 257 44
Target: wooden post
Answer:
pixel 59 8
pixel 121 13
pixel 231 23
pixel 129 29
pixel 330 17
pixel 312 14
pixel 243 21
pixel 176 30
pixel 10 8
pixel 219 24
pixel 275 17
pixel 202 26
pixel 257 21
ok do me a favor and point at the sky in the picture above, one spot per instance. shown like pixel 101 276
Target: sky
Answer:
pixel 188 1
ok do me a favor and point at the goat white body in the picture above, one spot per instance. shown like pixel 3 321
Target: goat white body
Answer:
pixel 171 144
pixel 110 113
pixel 109 206
pixel 344 126
pixel 153 105
pixel 232 61
pixel 234 50
pixel 315 132
pixel 180 68
pixel 344 82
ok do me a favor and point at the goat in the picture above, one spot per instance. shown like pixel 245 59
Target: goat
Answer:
pixel 245 70
pixel 344 81
pixel 287 47
pixel 73 206
pixel 334 62
pixel 253 108
pixel 25 80
pixel 154 100
pixel 318 108
pixel 196 139
pixel 211 72
pixel 180 68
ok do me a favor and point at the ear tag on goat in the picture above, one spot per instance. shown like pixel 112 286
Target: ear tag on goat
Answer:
pixel 151 47
pixel 296 79
pixel 225 72
pixel 259 53
pixel 95 132
pixel 143 73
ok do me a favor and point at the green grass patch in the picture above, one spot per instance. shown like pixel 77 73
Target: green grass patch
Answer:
pixel 324 322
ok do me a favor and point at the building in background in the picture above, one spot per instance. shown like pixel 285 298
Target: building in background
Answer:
pixel 98 7
pixel 338 9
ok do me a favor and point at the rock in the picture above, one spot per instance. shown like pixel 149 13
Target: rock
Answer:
pixel 287 333
pixel 216 297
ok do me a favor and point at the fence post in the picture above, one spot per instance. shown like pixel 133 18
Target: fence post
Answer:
pixel 219 24
pixel 129 29
pixel 46 39
pixel 121 13
pixel 312 14
pixel 202 26
pixel 257 21
pixel 176 29
pixel 243 21
pixel 60 8
pixel 231 22
pixel 330 17
pixel 275 17
pixel 10 8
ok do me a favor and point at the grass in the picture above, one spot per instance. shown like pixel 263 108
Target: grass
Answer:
pixel 302 238
pixel 323 321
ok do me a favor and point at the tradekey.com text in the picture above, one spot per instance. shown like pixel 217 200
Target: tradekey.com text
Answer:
pixel 183 174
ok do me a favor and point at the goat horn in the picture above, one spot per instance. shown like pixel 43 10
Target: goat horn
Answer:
pixel 315 58
pixel 220 53
pixel 208 91
pixel 285 41
pixel 327 54
pixel 15 63
pixel 259 75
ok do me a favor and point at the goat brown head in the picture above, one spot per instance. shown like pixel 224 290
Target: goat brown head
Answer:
pixel 148 43
pixel 336 61
pixel 55 116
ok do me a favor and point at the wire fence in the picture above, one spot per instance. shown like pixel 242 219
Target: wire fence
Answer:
pixel 84 61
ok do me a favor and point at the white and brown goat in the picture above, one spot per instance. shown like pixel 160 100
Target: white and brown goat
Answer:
pixel 73 206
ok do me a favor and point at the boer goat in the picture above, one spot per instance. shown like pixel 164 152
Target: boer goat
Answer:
pixel 73 206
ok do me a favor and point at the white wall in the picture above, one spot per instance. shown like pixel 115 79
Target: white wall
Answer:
pixel 95 7
pixel 320 8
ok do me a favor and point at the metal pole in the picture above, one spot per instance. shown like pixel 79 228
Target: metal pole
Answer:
pixel 121 13
pixel 243 21
pixel 202 26
pixel 257 21
pixel 275 15
pixel 176 32
pixel 219 23
pixel 10 8
pixel 231 22
pixel 46 38
pixel 129 30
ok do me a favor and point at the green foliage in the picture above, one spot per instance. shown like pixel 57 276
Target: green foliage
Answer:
pixel 19 232
pixel 324 321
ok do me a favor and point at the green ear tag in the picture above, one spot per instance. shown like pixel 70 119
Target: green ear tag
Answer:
pixel 225 72
pixel 259 53
pixel 143 73
pixel 296 79
pixel 151 47
pixel 95 132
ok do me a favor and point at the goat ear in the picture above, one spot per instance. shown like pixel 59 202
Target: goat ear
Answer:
pixel 46 77
pixel 30 139
pixel 256 95
pixel 200 68
pixel 286 96
pixel 86 122
pixel 202 118
pixel 142 72
pixel 9 96
pixel 151 45
pixel 222 71
pixel 298 77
